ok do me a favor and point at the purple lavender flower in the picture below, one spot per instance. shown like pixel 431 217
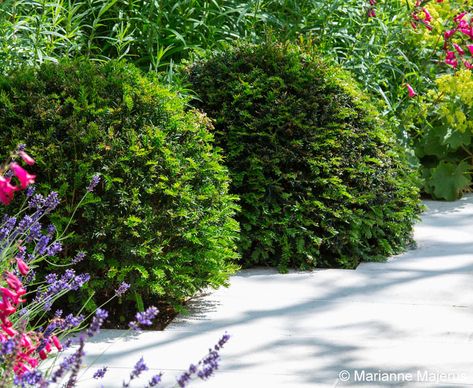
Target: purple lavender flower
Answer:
pixel 63 368
pixel 93 183
pixel 79 281
pixel 30 277
pixel 54 249
pixel 222 341
pixel 21 252
pixel 184 379
pixel 34 232
pixel 10 223
pixel 30 190
pixel 71 321
pixel 24 223
pixel 145 318
pixel 100 373
pixel 97 322
pixel 51 230
pixel 50 329
pixel 122 289
pixel 7 347
pixel 51 201
pixel 68 275
pixel 29 378
pixel 21 147
pixel 79 355
pixel 155 380
pixel 68 281
pixel 208 364
pixel 42 245
pixel 4 232
pixel 36 201
pixel 138 369
pixel 78 257
pixel 50 278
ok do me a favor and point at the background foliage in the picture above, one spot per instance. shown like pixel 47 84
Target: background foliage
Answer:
pixel 441 116
pixel 162 219
pixel 320 177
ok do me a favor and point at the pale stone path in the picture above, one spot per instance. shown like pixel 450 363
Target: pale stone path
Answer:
pixel 411 317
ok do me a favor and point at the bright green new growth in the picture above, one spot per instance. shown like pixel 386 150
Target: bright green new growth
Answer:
pixel 162 219
pixel 321 180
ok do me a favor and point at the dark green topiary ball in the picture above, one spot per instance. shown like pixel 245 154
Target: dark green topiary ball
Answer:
pixel 162 218
pixel 321 180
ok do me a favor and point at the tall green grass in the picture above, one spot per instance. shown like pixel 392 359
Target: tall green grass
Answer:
pixel 155 34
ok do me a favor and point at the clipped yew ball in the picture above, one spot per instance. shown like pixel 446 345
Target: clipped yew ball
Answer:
pixel 321 179
pixel 162 217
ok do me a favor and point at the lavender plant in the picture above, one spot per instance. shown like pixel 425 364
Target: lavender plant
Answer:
pixel 28 334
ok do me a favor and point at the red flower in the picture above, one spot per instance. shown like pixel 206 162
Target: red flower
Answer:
pixel 7 190
pixel 459 49
pixel 23 176
pixel 26 158
pixel 411 91
pixel 22 266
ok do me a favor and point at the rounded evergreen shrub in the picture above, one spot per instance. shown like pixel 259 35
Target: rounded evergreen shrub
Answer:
pixel 320 177
pixel 162 217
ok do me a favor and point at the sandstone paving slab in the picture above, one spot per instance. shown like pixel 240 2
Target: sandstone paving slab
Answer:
pixel 409 319
pixel 316 360
pixel 261 291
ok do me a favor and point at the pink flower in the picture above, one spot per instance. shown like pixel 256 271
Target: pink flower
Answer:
pixel 470 47
pixel 23 176
pixel 452 62
pixel 450 55
pixel 428 16
pixel 459 17
pixel 411 91
pixel 459 49
pixel 468 31
pixel 26 158
pixel 448 34
pixel 371 13
pixel 11 332
pixel 14 296
pixel 7 190
pixel 56 343
pixel 468 65
pixel 13 281
pixel 22 266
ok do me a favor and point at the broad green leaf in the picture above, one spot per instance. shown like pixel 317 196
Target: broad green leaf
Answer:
pixel 449 179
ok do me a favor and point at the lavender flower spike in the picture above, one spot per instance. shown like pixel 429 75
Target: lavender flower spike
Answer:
pixel 145 318
pixel 100 373
pixel 122 289
pixel 97 322
pixel 78 257
pixel 155 380
pixel 93 183
pixel 139 368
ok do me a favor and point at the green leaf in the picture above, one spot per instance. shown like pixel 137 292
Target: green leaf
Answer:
pixel 449 179
pixel 455 139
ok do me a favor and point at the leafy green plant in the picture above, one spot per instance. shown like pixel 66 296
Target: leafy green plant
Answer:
pixel 443 110
pixel 321 180
pixel 162 219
